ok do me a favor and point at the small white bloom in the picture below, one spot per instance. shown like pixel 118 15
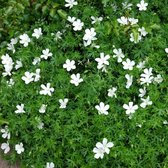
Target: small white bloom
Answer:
pixel 57 35
pixel 129 80
pixel 102 61
pixel 158 79
pixel 69 65
pixel 146 102
pixel 11 82
pixel 142 92
pixel 141 65
pixel 142 5
pixel 36 60
pixel 107 145
pixel 165 122
pixel 135 39
pixel 127 5
pixel 5 132
pixel 128 64
pixel 133 21
pixel 43 108
pixel 166 50
pixel 118 54
pixel 19 148
pixel 46 90
pixel 146 77
pixel 24 39
pixel 63 103
pixel 40 125
pixel 46 54
pixel 50 165
pixel 20 109
pixel 28 77
pixel 77 25
pixel 37 33
pixel 71 19
pixel 18 64
pixel 143 31
pixel 14 41
pixel 75 79
pixel 11 47
pixel 37 75
pixel 102 108
pixel 70 3
pixel 5 147
pixel 130 108
pixel 123 20
pixel 96 19
pixel 112 92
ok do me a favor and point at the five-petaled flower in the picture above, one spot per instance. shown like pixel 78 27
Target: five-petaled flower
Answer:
pixel 69 65
pixel 102 61
pixel 102 108
pixel 50 165
pixel 37 33
pixel 46 90
pixel 130 108
pixel 20 109
pixel 142 5
pixel 5 147
pixel 75 79
pixel 24 39
pixel 128 64
pixel 29 77
pixel 70 3
pixel 19 148
pixel 46 54
pixel 90 35
pixel 63 103
pixel 118 54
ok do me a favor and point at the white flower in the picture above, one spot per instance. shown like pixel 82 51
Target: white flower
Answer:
pixel 36 60
pixel 133 21
pixel 24 39
pixel 166 50
pixel 128 64
pixel 96 19
pixel 14 41
pixel 18 64
pixel 146 102
pixel 102 61
pixel 40 125
pixel 28 77
pixel 46 90
pixel 77 25
pixel 11 47
pixel 89 36
pixel 19 148
pixel 112 92
pixel 57 35
pixel 127 5
pixel 75 79
pixel 43 108
pixel 142 5
pixel 11 82
pixel 69 65
pixel 46 54
pixel 37 75
pixel 102 108
pixel 102 148
pixel 20 109
pixel 50 165
pixel 143 31
pixel 142 92
pixel 123 20
pixel 63 103
pixel 37 33
pixel 158 79
pixel 5 132
pixel 147 76
pixel 118 54
pixel 135 39
pixel 5 147
pixel 130 108
pixel 71 19
pixel 70 3
pixel 129 80
pixel 141 65
pixel 165 122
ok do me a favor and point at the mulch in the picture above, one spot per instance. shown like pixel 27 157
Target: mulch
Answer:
pixel 5 164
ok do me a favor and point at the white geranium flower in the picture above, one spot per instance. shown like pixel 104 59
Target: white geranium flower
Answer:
pixel 90 35
pixel 63 103
pixel 133 21
pixel 11 47
pixel 128 64
pixel 58 35
pixel 146 77
pixel 40 125
pixel 165 122
pixel 102 61
pixel 130 108
pixel 129 80
pixel 96 19
pixel 146 102
pixel 18 64
pixel 5 132
pixel 11 82
pixel 19 148
pixel 50 165
pixel 28 77
pixel 123 20
pixel 46 90
pixel 71 19
pixel 20 109
pixel 142 5
pixel 75 79
pixel 77 25
pixel 37 75
pixel 135 40
pixel 46 54
pixel 5 147
pixel 36 60
pixel 102 108
pixel 37 33
pixel 69 65
pixel 43 108
pixel 141 65
pixel 14 41
pixel 118 54
pixel 24 39
pixel 70 3
pixel 142 92
pixel 158 79
pixel 112 92
pixel 143 31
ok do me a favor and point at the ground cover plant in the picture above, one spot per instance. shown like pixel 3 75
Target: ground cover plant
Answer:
pixel 88 88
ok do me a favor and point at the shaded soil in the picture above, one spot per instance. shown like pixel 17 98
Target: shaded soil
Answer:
pixel 5 164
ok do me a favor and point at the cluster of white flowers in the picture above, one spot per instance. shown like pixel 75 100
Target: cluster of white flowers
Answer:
pixel 127 21
pixel 76 23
